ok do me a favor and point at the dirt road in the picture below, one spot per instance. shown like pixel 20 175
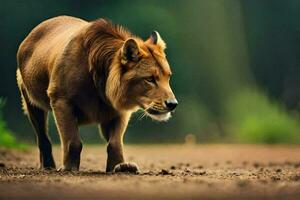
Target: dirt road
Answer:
pixel 166 172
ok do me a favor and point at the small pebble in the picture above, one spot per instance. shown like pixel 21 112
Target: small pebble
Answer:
pixel 201 173
pixel 261 169
pixel 2 165
pixel 164 172
pixel 148 173
pixel 172 167
pixel 275 178
pixel 21 176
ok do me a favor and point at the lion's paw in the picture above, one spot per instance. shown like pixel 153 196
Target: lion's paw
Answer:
pixel 126 168
pixel 67 169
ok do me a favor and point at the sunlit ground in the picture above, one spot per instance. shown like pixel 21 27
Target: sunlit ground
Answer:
pixel 166 172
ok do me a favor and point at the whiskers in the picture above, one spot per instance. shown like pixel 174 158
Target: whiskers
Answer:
pixel 144 113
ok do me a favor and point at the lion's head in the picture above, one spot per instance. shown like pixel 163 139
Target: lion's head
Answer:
pixel 139 78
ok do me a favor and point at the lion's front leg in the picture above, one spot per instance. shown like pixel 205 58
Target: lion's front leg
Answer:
pixel 67 127
pixel 114 132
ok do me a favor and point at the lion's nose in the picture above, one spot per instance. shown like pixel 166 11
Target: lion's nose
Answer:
pixel 171 104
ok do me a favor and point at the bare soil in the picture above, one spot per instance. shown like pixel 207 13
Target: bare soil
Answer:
pixel 166 172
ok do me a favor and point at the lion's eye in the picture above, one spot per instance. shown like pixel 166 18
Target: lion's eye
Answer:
pixel 150 79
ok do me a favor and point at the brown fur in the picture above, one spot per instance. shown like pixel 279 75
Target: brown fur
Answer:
pixel 89 72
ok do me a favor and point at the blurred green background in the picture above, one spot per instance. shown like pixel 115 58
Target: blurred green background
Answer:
pixel 236 66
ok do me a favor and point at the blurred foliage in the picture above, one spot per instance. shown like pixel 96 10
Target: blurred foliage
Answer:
pixel 6 137
pixel 219 50
pixel 253 118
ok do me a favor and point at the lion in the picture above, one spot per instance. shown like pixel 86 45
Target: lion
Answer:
pixel 91 73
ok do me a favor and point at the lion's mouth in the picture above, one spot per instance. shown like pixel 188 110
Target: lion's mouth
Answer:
pixel 156 112
pixel 158 115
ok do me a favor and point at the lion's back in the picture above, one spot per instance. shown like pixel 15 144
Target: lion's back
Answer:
pixel 48 34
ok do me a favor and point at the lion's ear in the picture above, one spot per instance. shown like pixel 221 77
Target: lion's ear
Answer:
pixel 130 51
pixel 157 40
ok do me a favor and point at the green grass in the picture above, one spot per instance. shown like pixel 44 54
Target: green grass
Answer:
pixel 253 118
pixel 7 138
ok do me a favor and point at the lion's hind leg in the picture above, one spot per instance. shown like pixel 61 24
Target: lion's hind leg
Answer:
pixel 38 119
